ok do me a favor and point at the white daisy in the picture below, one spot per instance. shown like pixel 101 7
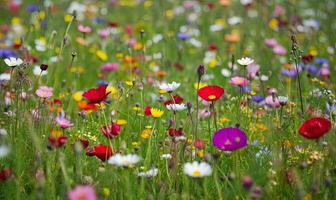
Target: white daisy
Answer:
pixel 124 160
pixel 245 61
pixel 150 173
pixel 12 62
pixel 169 87
pixel 176 107
pixel 197 169
pixel 225 72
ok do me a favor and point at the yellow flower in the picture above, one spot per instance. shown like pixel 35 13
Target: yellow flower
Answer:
pixel 162 91
pixel 146 133
pixel 56 133
pixel 77 96
pixel 224 120
pixel 169 13
pixel 213 63
pixel 106 192
pixel 261 127
pixel 156 113
pixel 129 83
pixel 200 153
pixel 148 4
pixel 112 90
pixel 102 55
pixel 121 122
pixel 273 24
pixel 68 18
pixel 136 108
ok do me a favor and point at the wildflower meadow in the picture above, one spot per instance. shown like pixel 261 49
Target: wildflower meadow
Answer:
pixel 167 99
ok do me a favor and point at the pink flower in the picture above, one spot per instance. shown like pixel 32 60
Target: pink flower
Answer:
pixel 239 81
pixel 253 69
pixel 44 92
pixel 272 101
pixel 84 29
pixel 279 50
pixel 325 71
pixel 203 113
pixel 63 122
pixel 109 67
pixel 82 192
pixel 271 42
pixel 104 33
pixel 279 10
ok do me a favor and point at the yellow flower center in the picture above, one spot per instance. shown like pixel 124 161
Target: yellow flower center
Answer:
pixel 211 97
pixel 196 172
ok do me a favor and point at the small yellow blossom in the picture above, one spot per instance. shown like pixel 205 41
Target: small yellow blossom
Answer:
pixel 77 96
pixel 156 113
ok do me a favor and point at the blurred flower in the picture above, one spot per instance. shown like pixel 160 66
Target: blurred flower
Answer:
pixel 13 62
pixel 63 122
pixel 100 151
pixel 150 173
pixel 245 61
pixel 96 95
pixel 239 81
pixel 109 67
pixel 82 192
pixel 176 107
pixel 124 160
pixel 169 87
pixel 111 131
pixel 197 169
pixel 44 92
pixel 156 113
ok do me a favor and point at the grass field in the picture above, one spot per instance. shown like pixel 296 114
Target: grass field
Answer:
pixel 167 99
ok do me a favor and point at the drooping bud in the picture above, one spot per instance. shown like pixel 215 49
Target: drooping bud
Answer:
pixel 43 67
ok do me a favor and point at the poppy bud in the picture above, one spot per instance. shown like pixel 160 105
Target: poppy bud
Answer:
pixel 200 71
pixel 43 67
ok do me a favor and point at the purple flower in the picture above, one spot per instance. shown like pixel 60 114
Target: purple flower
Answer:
pixel 271 42
pixel 229 139
pixel 279 50
pixel 258 99
pixel 184 36
pixel 7 53
pixel 82 192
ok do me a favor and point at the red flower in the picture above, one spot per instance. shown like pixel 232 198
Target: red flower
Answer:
pixel 211 93
pixel 147 111
pixel 111 131
pixel 175 132
pixel 212 47
pixel 5 174
pixel 315 127
pixel 100 151
pixel 57 142
pixel 177 100
pixel 96 95
pixel 84 143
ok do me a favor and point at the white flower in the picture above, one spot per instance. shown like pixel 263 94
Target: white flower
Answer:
pixel 197 169
pixel 166 156
pixel 150 173
pixel 264 78
pixel 37 71
pixel 5 77
pixel 169 87
pixel 124 160
pixel 12 62
pixel 225 72
pixel 283 100
pixel 4 150
pixel 176 107
pixel 245 61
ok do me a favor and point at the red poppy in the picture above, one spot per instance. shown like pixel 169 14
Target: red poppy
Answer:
pixel 100 151
pixel 212 47
pixel 307 58
pixel 175 132
pixel 211 93
pixel 315 127
pixel 57 142
pixel 96 95
pixel 5 174
pixel 111 130
pixel 147 111
pixel 177 100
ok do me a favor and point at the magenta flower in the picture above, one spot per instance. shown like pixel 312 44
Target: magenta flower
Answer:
pixel 63 122
pixel 109 67
pixel 82 192
pixel 239 81
pixel 84 29
pixel 44 92
pixel 229 139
